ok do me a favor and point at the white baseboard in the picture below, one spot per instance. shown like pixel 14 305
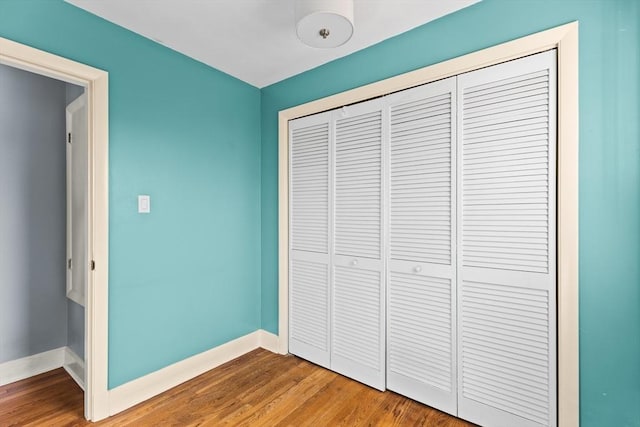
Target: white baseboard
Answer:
pixel 143 388
pixel 74 366
pixel 268 341
pixel 19 369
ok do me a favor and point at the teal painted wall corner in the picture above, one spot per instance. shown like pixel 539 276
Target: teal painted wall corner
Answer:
pixel 609 167
pixel 186 277
pixel 204 146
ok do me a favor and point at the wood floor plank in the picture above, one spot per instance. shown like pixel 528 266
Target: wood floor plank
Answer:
pixel 281 406
pixel 359 410
pixel 257 389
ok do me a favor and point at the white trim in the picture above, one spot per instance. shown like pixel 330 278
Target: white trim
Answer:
pixel 143 388
pixel 95 82
pixel 268 341
pixel 567 230
pixel 29 366
pixel 563 38
pixel 73 293
pixel 74 366
pixel 25 367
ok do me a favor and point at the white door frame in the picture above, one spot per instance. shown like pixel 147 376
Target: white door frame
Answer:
pixel 73 293
pixel 95 82
pixel 563 38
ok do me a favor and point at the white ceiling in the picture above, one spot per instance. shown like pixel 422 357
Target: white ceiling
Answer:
pixel 255 40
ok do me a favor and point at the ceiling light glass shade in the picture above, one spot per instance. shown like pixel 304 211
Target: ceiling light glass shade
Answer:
pixel 324 23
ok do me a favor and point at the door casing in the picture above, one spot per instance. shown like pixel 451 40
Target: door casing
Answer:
pixel 96 83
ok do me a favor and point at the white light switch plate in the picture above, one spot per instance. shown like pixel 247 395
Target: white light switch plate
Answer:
pixel 144 203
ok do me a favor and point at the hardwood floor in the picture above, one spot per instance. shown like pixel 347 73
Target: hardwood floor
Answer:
pixel 257 389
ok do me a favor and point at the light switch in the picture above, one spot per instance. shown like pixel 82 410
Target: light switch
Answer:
pixel 144 203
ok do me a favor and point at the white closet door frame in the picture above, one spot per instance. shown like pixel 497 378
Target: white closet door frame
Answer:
pixel 426 379
pixel 506 395
pixel 358 357
pixel 564 38
pixel 311 320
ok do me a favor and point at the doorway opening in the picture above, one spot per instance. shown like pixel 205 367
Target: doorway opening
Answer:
pixel 95 85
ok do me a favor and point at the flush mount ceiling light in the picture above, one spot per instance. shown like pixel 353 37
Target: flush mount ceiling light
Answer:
pixel 324 23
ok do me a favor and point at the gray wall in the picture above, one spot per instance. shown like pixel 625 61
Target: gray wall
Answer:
pixel 75 312
pixel 33 304
pixel 72 92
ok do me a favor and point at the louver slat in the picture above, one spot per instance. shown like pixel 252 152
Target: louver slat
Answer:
pixel 503 341
pixel 309 274
pixel 507 244
pixel 357 333
pixel 358 185
pixel 310 188
pixel 420 284
pixel 419 332
pixel 410 162
pixel 509 158
pixel 309 303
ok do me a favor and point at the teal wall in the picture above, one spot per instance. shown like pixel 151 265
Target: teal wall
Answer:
pixel 186 277
pixel 609 167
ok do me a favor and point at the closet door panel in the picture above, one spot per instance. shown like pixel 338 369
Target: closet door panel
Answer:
pixel 357 324
pixel 507 246
pixel 421 322
pixel 358 183
pixel 357 337
pixel 309 230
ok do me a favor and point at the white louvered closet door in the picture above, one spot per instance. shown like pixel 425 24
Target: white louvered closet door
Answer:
pixel 309 231
pixel 421 296
pixel 507 243
pixel 357 322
